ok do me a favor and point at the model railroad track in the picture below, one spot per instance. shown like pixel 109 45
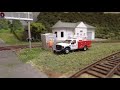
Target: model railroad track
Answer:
pixel 17 47
pixel 104 68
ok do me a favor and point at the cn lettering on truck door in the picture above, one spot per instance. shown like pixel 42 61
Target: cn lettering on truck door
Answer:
pixel 74 45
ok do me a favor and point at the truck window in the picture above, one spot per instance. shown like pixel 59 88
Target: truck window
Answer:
pixel 67 41
pixel 74 41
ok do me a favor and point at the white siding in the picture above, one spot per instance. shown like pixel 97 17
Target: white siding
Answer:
pixel 93 33
pixel 80 31
pixel 59 38
pixel 82 34
pixel 67 32
pixel 81 25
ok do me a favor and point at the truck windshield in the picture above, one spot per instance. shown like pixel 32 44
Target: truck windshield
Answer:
pixel 67 41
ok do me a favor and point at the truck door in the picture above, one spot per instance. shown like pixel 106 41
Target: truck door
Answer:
pixel 74 45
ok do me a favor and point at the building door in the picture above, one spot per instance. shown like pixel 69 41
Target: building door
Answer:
pixel 89 35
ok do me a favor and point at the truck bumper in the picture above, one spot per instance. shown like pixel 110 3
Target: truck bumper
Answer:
pixel 58 51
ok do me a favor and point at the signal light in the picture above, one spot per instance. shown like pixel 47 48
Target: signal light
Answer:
pixel 2 15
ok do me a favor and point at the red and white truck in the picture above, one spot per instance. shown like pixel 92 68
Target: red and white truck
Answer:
pixel 72 44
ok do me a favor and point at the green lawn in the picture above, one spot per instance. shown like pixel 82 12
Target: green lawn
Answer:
pixel 10 39
pixel 67 64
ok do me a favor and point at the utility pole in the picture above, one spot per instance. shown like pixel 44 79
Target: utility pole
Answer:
pixel 29 32
pixel 29 35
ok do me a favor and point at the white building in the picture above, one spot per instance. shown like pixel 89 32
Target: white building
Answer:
pixel 65 30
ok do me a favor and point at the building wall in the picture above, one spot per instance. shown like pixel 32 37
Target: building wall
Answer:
pixel 70 33
pixel 59 30
pixel 74 32
pixel 67 33
pixel 81 32
pixel 92 32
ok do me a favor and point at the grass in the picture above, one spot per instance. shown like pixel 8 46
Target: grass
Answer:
pixel 10 39
pixel 67 64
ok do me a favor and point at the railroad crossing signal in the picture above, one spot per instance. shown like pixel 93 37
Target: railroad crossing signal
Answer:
pixel 2 15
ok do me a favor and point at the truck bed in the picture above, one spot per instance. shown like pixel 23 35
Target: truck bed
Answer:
pixel 81 44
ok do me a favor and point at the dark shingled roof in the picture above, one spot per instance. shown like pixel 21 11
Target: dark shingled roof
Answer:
pixel 69 25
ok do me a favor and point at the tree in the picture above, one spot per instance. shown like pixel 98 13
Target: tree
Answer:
pixel 36 30
pixel 16 25
pixel 17 29
pixel 4 24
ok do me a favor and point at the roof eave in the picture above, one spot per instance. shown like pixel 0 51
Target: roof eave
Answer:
pixel 63 27
pixel 91 28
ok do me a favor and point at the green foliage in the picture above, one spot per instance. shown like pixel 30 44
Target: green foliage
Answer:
pixel 4 24
pixel 16 25
pixel 17 29
pixel 37 29
pixel 8 37
pixel 105 23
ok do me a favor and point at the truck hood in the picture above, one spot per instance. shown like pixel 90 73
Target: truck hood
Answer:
pixel 63 44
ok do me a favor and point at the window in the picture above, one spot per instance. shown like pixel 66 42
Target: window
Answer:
pixel 67 41
pixel 62 34
pixel 81 31
pixel 73 42
pixel 56 34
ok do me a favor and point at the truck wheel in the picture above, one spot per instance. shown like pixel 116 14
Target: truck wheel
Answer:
pixel 67 50
pixel 54 52
pixel 85 48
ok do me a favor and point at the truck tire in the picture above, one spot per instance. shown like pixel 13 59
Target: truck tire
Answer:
pixel 54 51
pixel 67 50
pixel 85 48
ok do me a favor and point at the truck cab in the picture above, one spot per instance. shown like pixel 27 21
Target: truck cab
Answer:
pixel 72 44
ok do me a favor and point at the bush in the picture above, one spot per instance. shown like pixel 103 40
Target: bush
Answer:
pixel 4 24
pixel 17 29
pixel 36 30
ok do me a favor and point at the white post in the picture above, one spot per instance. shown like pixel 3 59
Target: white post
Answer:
pixel 29 34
